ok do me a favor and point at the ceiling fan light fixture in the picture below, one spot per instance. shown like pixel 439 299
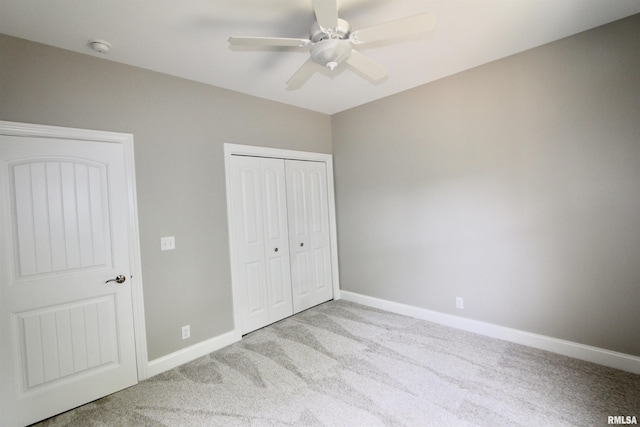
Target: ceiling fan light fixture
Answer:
pixel 331 52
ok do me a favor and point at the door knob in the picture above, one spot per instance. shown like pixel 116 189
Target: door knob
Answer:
pixel 119 279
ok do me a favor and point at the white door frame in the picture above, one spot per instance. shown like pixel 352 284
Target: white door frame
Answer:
pixel 248 150
pixel 43 131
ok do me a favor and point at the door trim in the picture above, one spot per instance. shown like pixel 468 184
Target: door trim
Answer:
pixel 57 132
pixel 249 150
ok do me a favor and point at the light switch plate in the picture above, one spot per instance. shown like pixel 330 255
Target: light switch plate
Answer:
pixel 167 243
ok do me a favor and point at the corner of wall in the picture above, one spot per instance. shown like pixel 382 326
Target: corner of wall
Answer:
pixel 180 357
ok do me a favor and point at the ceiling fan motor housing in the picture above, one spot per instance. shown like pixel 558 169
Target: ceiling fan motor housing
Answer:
pixel 318 33
pixel 330 47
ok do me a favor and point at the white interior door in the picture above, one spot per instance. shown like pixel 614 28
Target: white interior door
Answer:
pixel 66 336
pixel 261 241
pixel 309 235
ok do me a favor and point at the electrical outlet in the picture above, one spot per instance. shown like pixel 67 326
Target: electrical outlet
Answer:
pixel 167 243
pixel 460 303
pixel 186 332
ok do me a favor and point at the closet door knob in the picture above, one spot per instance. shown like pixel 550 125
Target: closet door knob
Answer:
pixel 275 250
pixel 301 244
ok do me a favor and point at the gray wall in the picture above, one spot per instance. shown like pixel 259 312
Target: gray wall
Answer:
pixel 179 127
pixel 515 185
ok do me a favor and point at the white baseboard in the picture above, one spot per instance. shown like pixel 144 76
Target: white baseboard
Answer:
pixel 622 361
pixel 180 357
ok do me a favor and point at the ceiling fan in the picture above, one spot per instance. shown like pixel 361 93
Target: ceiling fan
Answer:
pixel 331 42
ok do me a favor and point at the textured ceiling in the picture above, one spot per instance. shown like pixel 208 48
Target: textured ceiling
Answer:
pixel 188 38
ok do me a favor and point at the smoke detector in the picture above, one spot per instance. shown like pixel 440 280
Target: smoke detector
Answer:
pixel 100 46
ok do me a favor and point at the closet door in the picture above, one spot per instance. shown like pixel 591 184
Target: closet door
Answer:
pixel 276 235
pixel 261 241
pixel 308 233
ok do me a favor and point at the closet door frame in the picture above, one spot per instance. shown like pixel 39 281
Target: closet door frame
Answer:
pixel 248 150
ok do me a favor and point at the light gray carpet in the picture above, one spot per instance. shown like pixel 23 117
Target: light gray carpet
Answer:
pixel 343 364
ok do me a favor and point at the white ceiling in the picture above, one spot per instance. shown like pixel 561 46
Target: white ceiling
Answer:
pixel 188 38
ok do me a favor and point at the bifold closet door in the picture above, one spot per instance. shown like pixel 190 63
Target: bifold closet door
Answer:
pixel 259 209
pixel 309 239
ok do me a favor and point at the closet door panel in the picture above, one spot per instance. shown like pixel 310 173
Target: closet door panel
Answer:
pixel 250 244
pixel 298 234
pixel 297 193
pixel 276 236
pixel 309 233
pixel 301 286
pixel 255 292
pixel 319 231
pixel 322 274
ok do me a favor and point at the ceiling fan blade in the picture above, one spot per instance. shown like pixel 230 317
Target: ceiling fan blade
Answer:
pixel 301 76
pixel 402 27
pixel 326 13
pixel 366 66
pixel 268 41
